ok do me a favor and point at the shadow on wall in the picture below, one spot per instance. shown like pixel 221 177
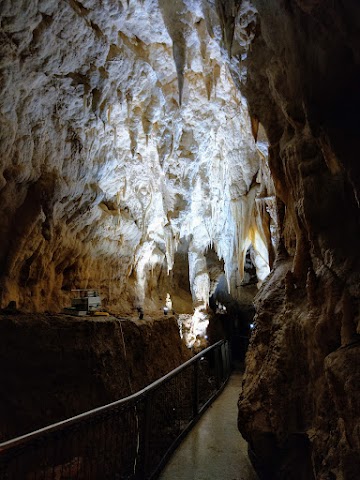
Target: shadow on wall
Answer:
pixel 293 455
pixel 233 313
pixel 236 327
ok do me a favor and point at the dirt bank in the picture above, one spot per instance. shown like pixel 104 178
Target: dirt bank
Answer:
pixel 56 366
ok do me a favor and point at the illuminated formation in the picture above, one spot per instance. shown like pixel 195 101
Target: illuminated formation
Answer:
pixel 178 157
pixel 119 186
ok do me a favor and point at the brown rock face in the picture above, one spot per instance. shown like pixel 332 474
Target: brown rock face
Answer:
pixel 107 182
pixel 54 367
pixel 300 405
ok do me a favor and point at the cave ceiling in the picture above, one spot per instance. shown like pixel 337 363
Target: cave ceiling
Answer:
pixel 129 164
pixel 125 143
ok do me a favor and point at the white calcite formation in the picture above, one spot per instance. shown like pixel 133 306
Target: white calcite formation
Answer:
pixel 126 151
pixel 128 164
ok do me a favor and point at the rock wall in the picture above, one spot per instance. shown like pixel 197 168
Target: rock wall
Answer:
pixel 123 139
pixel 300 404
pixel 54 367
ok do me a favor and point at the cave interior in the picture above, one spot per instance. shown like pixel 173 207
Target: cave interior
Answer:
pixel 194 162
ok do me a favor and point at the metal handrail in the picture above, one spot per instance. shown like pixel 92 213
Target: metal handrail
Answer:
pixel 83 416
pixel 222 368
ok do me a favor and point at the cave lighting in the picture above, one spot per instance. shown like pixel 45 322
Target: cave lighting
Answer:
pixel 200 322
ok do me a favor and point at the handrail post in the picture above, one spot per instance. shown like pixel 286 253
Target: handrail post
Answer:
pixel 217 353
pixel 141 471
pixel 148 406
pixel 196 389
pixel 223 362
pixel 228 358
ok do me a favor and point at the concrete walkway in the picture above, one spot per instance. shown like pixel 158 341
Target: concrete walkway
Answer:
pixel 214 449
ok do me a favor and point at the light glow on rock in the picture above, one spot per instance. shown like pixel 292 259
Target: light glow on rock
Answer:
pixel 130 174
pixel 193 327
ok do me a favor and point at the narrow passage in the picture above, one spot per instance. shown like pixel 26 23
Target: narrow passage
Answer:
pixel 214 449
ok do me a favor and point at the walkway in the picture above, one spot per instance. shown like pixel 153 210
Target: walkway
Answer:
pixel 214 449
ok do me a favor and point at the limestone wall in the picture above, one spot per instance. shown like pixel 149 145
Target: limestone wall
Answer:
pixel 303 369
pixel 123 138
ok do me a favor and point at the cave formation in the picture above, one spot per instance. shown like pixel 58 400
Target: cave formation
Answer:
pixel 154 147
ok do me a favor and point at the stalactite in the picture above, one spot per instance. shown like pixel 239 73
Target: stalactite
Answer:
pixel 170 245
pixel 255 127
pixel 179 53
pixel 227 12
pixel 177 28
pixel 185 165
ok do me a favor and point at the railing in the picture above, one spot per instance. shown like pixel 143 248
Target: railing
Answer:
pixel 128 439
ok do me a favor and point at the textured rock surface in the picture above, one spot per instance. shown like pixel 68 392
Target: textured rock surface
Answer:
pixel 299 408
pixel 103 174
pixel 53 367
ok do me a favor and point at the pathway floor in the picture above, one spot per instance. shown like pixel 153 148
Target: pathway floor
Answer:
pixel 214 449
